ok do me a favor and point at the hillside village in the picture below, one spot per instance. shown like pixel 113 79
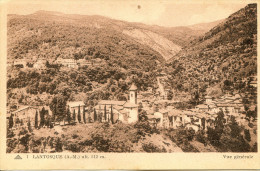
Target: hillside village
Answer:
pixel 42 63
pixel 159 112
pixel 80 95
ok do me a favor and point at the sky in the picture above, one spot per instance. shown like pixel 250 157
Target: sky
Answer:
pixel 167 13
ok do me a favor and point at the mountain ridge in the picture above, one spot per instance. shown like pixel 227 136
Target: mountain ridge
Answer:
pixel 226 53
pixel 172 34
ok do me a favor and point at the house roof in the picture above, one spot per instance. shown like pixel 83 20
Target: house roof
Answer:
pixel 212 106
pixel 175 112
pixel 81 60
pixel 45 107
pixel 225 105
pixel 69 60
pixel 19 62
pixel 202 106
pixel 111 102
pixel 208 97
pixel 75 103
pixel 202 115
pixel 133 87
pixel 130 105
pixel 237 96
pixel 118 107
pixel 163 111
pixel 153 117
pixel 22 108
pixel 211 112
pixel 237 101
pixel 189 113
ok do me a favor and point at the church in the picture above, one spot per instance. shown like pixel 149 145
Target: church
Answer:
pixel 122 111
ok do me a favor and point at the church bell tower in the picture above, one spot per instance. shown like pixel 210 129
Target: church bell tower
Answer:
pixel 133 94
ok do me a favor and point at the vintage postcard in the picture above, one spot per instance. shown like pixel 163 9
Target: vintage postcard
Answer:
pixel 113 84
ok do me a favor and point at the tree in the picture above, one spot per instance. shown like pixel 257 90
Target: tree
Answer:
pixel 58 107
pixel 200 136
pixel 29 125
pixel 170 95
pixel 84 114
pixel 11 121
pixel 36 120
pixel 42 114
pixel 140 107
pixel 108 119
pixel 190 134
pixel 95 115
pixel 227 85
pixel 247 135
pixel 58 145
pixel 105 113
pixel 74 115
pixel 235 128
pixel 214 134
pixel 54 114
pixel 195 97
pixel 112 115
pixel 219 122
pixel 100 115
pixel 68 115
pixel 48 121
pixel 142 116
pixel 79 116
pixel 89 119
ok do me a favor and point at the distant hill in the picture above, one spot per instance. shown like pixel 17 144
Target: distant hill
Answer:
pixel 226 52
pixel 157 41
pixel 205 27
pixel 45 35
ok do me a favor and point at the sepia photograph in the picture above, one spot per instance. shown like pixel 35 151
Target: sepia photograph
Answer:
pixel 170 78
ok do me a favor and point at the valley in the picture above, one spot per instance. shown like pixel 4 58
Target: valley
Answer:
pixel 95 84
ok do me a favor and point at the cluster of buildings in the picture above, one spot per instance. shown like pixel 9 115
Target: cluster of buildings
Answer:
pixel 23 63
pixel 26 114
pixel 201 117
pixel 67 63
pixel 122 111
pixel 230 105
pixel 72 63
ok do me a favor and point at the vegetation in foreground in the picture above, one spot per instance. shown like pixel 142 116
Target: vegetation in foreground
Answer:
pixel 139 137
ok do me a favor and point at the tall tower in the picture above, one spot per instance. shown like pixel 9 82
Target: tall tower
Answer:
pixel 133 94
pixel 208 99
pixel 132 106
